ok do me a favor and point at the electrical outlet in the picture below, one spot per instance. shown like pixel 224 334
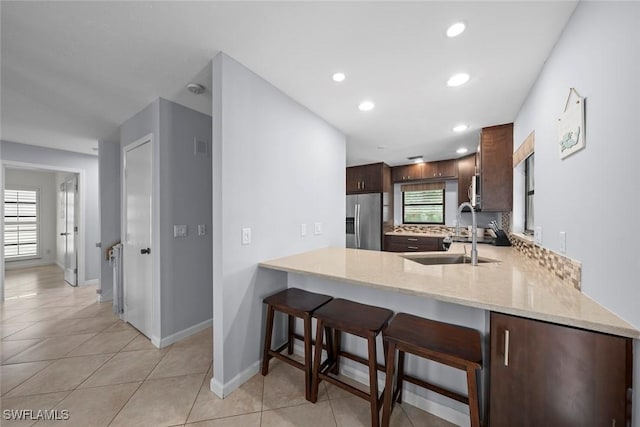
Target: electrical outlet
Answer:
pixel 537 235
pixel 303 230
pixel 202 230
pixel 563 242
pixel 246 236
pixel 317 228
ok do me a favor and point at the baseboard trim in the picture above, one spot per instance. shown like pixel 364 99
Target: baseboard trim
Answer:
pixel 14 265
pixel 223 390
pixel 351 370
pixel 167 341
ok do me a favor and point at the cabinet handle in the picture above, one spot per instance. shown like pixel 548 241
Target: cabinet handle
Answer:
pixel 363 185
pixel 506 347
pixel 412 247
pixel 358 185
pixel 412 239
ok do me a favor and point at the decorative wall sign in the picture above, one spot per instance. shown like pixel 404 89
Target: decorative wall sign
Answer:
pixel 571 132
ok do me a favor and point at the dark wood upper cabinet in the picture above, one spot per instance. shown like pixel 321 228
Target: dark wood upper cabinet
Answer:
pixel 495 166
pixel 410 172
pixel 368 179
pixel 466 171
pixel 544 374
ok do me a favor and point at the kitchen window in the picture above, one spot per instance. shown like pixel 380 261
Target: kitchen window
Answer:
pixel 423 203
pixel 21 224
pixel 529 193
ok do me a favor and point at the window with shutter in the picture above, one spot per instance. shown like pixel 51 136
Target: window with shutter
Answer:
pixel 423 203
pixel 21 224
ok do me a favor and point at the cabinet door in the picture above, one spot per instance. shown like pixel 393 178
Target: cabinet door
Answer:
pixel 372 178
pixel 496 160
pixel 354 177
pixel 446 169
pixel 556 375
pixel 407 172
pixel 428 170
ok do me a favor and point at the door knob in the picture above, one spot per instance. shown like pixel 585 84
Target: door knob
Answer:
pixel 64 234
pixel 145 251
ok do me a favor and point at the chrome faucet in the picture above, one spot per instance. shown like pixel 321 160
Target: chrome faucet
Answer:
pixel 474 231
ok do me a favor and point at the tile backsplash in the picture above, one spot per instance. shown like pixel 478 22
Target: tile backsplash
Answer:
pixel 413 228
pixel 567 269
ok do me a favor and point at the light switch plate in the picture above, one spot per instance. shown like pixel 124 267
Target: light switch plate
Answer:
pixel 303 230
pixel 246 236
pixel 317 228
pixel 537 235
pixel 563 242
pixel 202 230
pixel 180 230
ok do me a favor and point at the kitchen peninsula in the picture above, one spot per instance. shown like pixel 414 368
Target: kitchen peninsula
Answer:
pixel 484 297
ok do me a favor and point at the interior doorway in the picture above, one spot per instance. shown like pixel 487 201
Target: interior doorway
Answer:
pixel 137 260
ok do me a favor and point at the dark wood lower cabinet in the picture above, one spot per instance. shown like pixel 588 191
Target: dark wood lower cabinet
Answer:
pixel 544 374
pixel 399 243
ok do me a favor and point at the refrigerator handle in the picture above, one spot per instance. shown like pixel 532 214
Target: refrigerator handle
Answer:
pixel 357 225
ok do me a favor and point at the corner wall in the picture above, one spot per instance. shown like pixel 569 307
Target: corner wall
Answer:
pixel 276 165
pixel 110 184
pixel 592 195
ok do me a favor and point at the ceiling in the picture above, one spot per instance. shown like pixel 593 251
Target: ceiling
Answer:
pixel 72 72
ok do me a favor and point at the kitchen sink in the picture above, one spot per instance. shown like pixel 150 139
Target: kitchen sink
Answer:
pixel 439 259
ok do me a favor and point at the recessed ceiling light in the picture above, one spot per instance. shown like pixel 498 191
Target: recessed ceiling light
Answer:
pixel 366 106
pixel 416 159
pixel 338 77
pixel 460 128
pixel 456 29
pixel 461 150
pixel 458 79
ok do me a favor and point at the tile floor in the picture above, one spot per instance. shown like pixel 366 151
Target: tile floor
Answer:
pixel 60 349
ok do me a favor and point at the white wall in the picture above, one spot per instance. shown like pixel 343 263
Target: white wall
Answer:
pixel 44 182
pixel 87 167
pixel 276 166
pixel 593 195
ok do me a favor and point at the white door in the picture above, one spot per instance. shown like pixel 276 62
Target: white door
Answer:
pixel 137 260
pixel 69 233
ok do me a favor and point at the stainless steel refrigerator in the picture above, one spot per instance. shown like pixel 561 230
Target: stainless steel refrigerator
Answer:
pixel 364 221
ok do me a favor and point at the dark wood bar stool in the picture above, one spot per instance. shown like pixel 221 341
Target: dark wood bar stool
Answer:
pixel 295 303
pixel 451 345
pixel 365 321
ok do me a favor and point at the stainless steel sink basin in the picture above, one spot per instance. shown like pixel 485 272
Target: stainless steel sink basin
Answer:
pixel 440 259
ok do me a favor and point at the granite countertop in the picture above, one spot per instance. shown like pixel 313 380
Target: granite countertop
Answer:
pixel 417 234
pixel 514 285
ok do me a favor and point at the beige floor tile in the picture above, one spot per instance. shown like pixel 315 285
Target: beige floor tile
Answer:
pixel 247 420
pixel 50 348
pixel 8 329
pixel 202 339
pixel 94 407
pixel 49 313
pixel 105 342
pixel 335 392
pixel 125 367
pixel 61 375
pixel 33 403
pixel 121 326
pixel 420 418
pixel 307 415
pixel 184 361
pixel 9 349
pixel 93 310
pixel 161 402
pixel 140 343
pixel 354 412
pixel 12 375
pixel 38 330
pixel 284 386
pixel 8 314
pixel 245 399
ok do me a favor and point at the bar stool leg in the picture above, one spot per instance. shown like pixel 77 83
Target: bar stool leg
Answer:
pixel 307 356
pixel 473 397
pixel 267 341
pixel 317 358
pixel 373 380
pixel 387 407
pixel 292 331
pixel 400 374
pixel 337 337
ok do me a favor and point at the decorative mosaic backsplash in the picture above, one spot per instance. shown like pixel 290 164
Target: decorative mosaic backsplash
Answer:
pixel 567 269
pixel 428 229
